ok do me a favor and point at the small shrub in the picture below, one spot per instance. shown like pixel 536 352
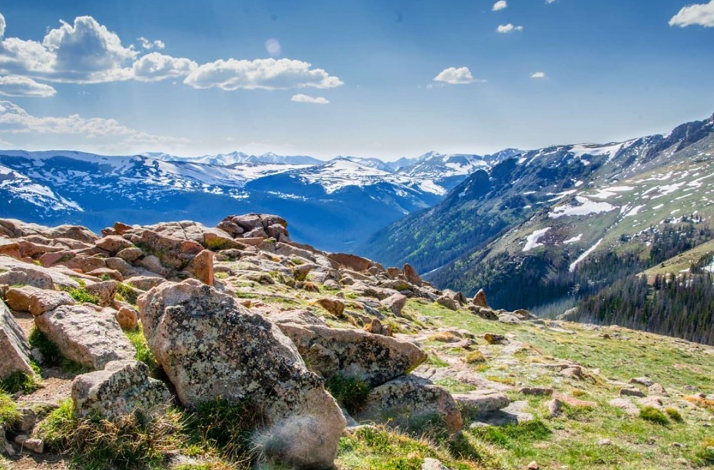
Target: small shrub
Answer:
pixel 674 414
pixel 348 391
pixel 650 413
pixel 475 357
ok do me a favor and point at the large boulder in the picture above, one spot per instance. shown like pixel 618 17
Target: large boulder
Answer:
pixel 411 275
pixel 211 347
pixel 36 301
pixel 113 244
pixel 479 299
pixel 411 402
pixel 120 389
pixel 352 353
pixel 27 276
pixel 14 350
pixel 352 262
pixel 395 303
pixel 86 336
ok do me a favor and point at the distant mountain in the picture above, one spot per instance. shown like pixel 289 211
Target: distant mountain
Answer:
pixel 339 203
pixel 553 223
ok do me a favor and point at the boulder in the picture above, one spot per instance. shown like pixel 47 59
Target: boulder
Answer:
pixel 395 303
pixel 120 389
pixel 210 347
pixel 202 267
pixel 632 392
pixel 484 312
pixel 86 336
pixel 447 302
pixel 626 405
pixel 374 358
pixel 411 275
pixel 410 402
pixel 36 301
pixel 27 275
pixel 104 291
pixel 130 254
pixel 335 306
pixel 10 248
pixel 352 262
pixel 113 244
pixel 174 253
pixel 127 317
pixel 14 350
pixel 481 401
pixel 479 299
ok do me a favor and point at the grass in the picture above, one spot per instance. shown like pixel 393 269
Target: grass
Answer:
pixel 8 411
pixel 650 413
pixel 20 381
pixel 143 352
pixel 674 414
pixel 129 294
pixel 82 296
pixel 704 456
pixel 348 391
pixel 475 357
pixel 51 355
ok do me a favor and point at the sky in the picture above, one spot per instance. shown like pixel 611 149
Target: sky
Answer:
pixel 373 78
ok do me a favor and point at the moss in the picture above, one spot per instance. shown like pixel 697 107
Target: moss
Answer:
pixel 348 391
pixel 82 296
pixel 652 414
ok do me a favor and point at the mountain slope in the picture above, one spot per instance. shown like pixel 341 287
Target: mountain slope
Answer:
pixel 526 229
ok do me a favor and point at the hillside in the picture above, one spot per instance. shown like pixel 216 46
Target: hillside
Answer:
pixel 188 347
pixel 563 220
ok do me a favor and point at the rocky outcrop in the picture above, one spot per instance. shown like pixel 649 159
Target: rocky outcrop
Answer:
pixel 14 350
pixel 120 389
pixel 479 299
pixel 352 353
pixel 211 347
pixel 411 402
pixel 85 335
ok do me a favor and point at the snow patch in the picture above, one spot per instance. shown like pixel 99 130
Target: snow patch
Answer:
pixel 587 253
pixel 532 240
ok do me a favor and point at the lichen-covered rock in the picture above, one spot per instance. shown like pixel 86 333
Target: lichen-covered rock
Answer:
pixel 27 275
pixel 210 346
pixel 120 389
pixel 86 336
pixel 410 402
pixel 350 261
pixel 14 350
pixel 104 291
pixel 127 317
pixel 355 353
pixel 481 401
pixel 335 306
pixel 447 302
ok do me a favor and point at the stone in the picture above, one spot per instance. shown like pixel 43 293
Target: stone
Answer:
pixel 554 407
pixel 654 402
pixel 411 275
pixel 374 358
pixel 484 312
pixel 481 401
pixel 632 392
pixel 42 301
pixel 626 405
pixel 201 266
pixel 14 350
pixel 10 248
pixel 509 318
pixel 31 444
pixel 86 336
pixel 104 291
pixel 433 464
pixel 395 303
pixel 144 282
pixel 410 401
pixel 130 254
pixel 604 442
pixel 216 239
pixel 120 389
pixel 106 273
pixel 27 275
pixel 644 381
pixel 447 302
pixel 479 299
pixel 113 244
pixel 352 262
pixel 537 391
pixel 658 389
pixel 127 317
pixel 575 402
pixel 210 347
pixel 533 466
pixel 492 338
pixel 335 306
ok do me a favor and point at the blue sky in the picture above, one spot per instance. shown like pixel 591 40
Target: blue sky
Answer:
pixel 373 78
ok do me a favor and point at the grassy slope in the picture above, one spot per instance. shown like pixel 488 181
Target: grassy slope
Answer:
pixel 683 260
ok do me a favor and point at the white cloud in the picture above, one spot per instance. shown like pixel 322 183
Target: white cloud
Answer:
pixel 548 2
pixel 499 5
pixel 148 44
pixel 538 75
pixel 508 28
pixel 156 66
pixel 17 85
pixel 16 120
pixel 266 74
pixel 700 14
pixel 455 76
pixel 300 98
pixel 2 25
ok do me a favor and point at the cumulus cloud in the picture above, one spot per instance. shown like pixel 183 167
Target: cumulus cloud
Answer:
pixel 300 98
pixel 148 44
pixel 2 25
pixel 17 85
pixel 155 66
pixel 266 74
pixel 499 5
pixel 508 28
pixel 455 76
pixel 15 120
pixel 538 75
pixel 699 14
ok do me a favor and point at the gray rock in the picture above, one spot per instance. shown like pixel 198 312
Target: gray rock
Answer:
pixel 447 302
pixel 36 301
pixel 120 389
pixel 433 464
pixel 395 303
pixel 210 347
pixel 14 350
pixel 626 405
pixel 631 392
pixel 481 401
pixel 86 336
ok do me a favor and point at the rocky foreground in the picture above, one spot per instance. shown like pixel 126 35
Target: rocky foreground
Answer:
pixel 323 353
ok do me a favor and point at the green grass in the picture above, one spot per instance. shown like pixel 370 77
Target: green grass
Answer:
pixel 129 294
pixel 81 295
pixel 674 415
pixel 8 411
pixel 143 352
pixel 348 391
pixel 20 381
pixel 650 413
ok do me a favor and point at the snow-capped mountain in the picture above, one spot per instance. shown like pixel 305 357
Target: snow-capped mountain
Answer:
pixel 236 158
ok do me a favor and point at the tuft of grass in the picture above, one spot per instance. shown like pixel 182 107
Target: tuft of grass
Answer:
pixel 136 441
pixel 652 414
pixel 143 352
pixel 444 337
pixel 129 294
pixel 514 436
pixel 436 361
pixel 50 352
pixel 82 296
pixel 20 382
pixel 350 392
pixel 704 456
pixel 9 415
pixel 475 357
pixel 674 414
